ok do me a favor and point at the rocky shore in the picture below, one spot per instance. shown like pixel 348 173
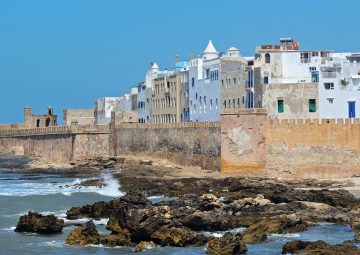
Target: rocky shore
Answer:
pixel 203 203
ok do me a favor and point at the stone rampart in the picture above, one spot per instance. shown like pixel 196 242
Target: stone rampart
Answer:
pixel 313 148
pixel 192 143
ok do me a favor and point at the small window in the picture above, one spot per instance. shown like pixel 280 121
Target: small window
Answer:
pixel 330 100
pixel 266 80
pixel 329 85
pixel 280 105
pixel 216 102
pixel 267 58
pixel 312 105
pixel 192 82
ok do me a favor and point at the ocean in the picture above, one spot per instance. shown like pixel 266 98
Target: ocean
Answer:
pixel 54 194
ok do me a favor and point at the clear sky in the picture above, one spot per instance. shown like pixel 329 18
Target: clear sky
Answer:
pixel 68 53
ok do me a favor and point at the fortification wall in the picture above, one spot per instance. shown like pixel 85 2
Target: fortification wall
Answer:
pixel 57 144
pixel 313 148
pixel 194 143
pixel 243 148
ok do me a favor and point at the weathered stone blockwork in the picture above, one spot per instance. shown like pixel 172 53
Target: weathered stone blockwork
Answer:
pixel 195 143
pixel 243 141
pixel 313 149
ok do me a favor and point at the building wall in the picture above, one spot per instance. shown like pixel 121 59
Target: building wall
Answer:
pixel 79 116
pixel 166 99
pixel 233 78
pixel 184 96
pixel 103 108
pixel 38 121
pixel 295 97
pixel 203 90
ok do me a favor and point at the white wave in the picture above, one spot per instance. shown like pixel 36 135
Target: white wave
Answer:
pixel 155 197
pixel 9 229
pixel 102 221
pixel 29 188
pixel 222 233
pixel 53 243
pixel 287 235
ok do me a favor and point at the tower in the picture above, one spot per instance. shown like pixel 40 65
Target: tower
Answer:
pixel 27 117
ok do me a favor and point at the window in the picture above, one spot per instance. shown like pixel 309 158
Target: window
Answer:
pixel 238 102
pixel 234 81
pixel 192 81
pixel 266 80
pixel 267 58
pixel 222 83
pixel 243 100
pixel 280 105
pixel 329 85
pixel 225 103
pixel 312 105
pixel 330 100
pixel 210 103
pixel 315 53
pixel 234 103
pixel 207 73
pixel 216 102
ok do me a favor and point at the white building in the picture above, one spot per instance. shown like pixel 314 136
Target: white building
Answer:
pixel 205 86
pixel 103 108
pixel 339 89
pixel 144 94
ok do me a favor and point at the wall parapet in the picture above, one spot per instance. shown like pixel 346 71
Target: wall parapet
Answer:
pixel 96 129
pixel 314 122
pixel 213 124
pixel 252 111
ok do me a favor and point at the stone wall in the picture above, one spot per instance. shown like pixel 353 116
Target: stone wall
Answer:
pixel 243 141
pixel 79 117
pixel 313 149
pixel 253 145
pixel 194 143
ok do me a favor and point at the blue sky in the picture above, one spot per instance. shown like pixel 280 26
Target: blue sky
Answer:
pixel 68 53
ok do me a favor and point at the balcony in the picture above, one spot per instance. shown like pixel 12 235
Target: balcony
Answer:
pixel 329 75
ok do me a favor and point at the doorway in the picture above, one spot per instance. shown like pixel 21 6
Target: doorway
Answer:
pixel 351 109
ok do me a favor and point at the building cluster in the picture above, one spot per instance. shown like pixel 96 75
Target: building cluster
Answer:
pixel 290 83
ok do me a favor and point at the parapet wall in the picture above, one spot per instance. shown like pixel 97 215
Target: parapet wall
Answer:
pixel 194 143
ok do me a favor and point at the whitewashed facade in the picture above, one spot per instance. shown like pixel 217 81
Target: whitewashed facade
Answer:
pixel 103 108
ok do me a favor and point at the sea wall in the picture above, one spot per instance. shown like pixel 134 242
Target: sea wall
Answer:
pixel 195 143
pixel 313 148
pixel 254 145
pixel 57 144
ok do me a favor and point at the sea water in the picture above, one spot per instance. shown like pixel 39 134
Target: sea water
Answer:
pixel 53 194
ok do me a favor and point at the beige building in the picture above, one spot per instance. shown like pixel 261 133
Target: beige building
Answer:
pixel 78 117
pixel 233 79
pixel 34 121
pixel 165 106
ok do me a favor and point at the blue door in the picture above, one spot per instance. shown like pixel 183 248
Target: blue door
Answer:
pixel 351 109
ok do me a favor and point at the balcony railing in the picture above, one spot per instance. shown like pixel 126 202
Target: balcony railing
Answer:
pixel 329 75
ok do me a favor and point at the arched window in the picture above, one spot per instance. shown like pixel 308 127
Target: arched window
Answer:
pixel 37 123
pixel 267 58
pixel 47 123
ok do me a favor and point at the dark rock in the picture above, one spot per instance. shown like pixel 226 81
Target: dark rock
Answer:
pixel 258 232
pixel 209 221
pixel 178 236
pixel 209 202
pixel 227 245
pixel 37 223
pixel 319 247
pixel 116 240
pixel 86 234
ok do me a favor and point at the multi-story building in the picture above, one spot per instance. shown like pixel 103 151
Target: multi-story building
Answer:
pixel 184 95
pixel 233 78
pixel 166 98
pixel 216 81
pixel 339 88
pixel 103 108
pixel 204 87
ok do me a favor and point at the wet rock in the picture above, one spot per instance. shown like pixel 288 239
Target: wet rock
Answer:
pixel 116 240
pixel 209 202
pixel 319 247
pixel 86 234
pixel 144 245
pixel 178 236
pixel 209 221
pixel 37 223
pixel 94 182
pixel 258 232
pixel 227 245
pixel 258 201
pixel 105 209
